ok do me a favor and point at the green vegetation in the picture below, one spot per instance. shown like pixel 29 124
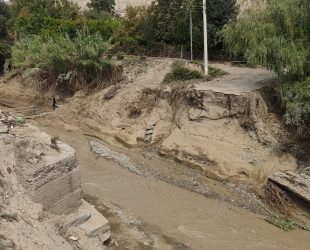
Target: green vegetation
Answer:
pixel 5 52
pixel 163 28
pixel 1 182
pixel 286 224
pixel 216 72
pixel 9 217
pixel 77 62
pixel 102 5
pixel 278 38
pixel 2 247
pixel 181 73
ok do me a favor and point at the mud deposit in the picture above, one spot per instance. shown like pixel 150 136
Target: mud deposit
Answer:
pixel 185 217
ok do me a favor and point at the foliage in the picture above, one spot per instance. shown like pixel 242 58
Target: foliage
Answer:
pixel 5 52
pixel 97 15
pixel 5 15
pixel 278 38
pixel 181 73
pixel 58 9
pixel 120 55
pixel 167 22
pixel 67 61
pixel 285 223
pixel 295 99
pixel 9 217
pixel 216 72
pixel 102 5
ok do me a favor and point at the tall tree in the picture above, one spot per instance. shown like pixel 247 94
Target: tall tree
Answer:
pixel 277 37
pixel 102 5
pixel 5 52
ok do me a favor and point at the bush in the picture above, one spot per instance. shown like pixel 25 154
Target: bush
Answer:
pixel 295 98
pixel 78 61
pixel 120 55
pixel 5 52
pixel 180 73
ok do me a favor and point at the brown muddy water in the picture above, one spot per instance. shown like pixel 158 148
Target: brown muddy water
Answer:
pixel 188 217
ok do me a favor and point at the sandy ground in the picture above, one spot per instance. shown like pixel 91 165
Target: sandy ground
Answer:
pixel 186 217
pixel 218 131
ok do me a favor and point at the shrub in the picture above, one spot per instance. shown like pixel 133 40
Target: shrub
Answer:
pixel 120 55
pixel 77 62
pixel 180 73
pixel 5 52
pixel 295 98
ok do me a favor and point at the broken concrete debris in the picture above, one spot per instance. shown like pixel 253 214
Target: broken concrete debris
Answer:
pixel 149 131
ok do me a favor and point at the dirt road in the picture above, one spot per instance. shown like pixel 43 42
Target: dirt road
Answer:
pixel 189 218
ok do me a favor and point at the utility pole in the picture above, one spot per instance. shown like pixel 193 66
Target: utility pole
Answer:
pixel 191 33
pixel 205 38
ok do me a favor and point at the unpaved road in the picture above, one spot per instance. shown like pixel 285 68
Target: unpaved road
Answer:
pixel 189 218
pixel 239 80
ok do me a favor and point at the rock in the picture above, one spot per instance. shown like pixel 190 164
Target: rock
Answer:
pixel 297 183
pixel 73 238
pixel 151 123
pixel 149 132
pixel 3 130
pixel 149 127
pixel 147 138
pixel 96 225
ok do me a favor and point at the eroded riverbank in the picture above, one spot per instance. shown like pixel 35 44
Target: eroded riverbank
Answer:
pixel 189 218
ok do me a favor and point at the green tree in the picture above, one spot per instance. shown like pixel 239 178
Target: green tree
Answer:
pixel 5 15
pixel 277 37
pixel 59 9
pixel 5 51
pixel 102 5
pixel 168 21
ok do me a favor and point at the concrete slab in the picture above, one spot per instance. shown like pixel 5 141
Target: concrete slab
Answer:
pixel 96 225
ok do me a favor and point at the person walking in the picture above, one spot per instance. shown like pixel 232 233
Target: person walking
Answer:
pixel 54 103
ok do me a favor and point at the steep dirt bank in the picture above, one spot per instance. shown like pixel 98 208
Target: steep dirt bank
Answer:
pixel 224 132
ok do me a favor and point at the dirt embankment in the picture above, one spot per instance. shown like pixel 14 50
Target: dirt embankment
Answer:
pixel 228 136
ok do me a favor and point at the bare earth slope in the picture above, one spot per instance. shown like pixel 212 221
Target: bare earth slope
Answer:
pixel 219 127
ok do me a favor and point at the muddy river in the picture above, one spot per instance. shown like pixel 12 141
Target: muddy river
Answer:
pixel 188 217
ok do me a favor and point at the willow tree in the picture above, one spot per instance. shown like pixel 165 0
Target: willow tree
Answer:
pixel 277 37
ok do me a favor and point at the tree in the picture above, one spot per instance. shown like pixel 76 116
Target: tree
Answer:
pixel 60 9
pixel 102 5
pixel 277 37
pixel 5 51
pixel 5 15
pixel 170 19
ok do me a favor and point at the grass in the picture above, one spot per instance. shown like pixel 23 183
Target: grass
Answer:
pixel 2 247
pixel 180 73
pixel 63 61
pixel 285 223
pixel 9 217
pixel 216 72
